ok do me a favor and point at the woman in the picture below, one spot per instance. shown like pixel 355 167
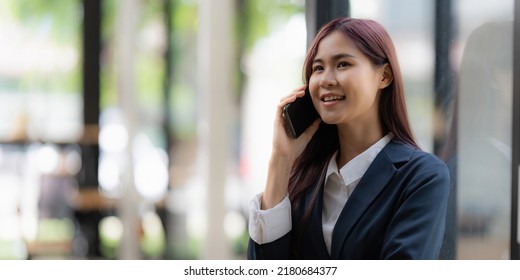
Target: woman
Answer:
pixel 355 185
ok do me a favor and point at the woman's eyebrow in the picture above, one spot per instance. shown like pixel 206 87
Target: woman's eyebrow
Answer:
pixel 342 55
pixel 335 57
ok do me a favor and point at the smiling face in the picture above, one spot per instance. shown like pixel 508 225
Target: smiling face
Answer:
pixel 345 84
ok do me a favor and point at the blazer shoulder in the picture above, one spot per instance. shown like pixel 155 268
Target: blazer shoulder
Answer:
pixel 406 156
pixel 428 160
pixel 423 173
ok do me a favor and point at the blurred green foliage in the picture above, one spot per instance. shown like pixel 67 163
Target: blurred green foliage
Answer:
pixel 58 24
pixel 257 18
pixel 55 230
pixel 61 18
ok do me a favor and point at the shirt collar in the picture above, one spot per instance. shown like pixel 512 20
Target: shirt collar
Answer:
pixel 354 169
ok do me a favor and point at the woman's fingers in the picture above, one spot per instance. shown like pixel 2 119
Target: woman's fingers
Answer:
pixel 299 92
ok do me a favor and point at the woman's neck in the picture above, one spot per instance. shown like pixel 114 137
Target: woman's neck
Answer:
pixel 355 140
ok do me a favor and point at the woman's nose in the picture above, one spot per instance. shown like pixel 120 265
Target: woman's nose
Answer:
pixel 327 80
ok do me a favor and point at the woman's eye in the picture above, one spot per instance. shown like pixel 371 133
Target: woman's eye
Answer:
pixel 317 68
pixel 343 64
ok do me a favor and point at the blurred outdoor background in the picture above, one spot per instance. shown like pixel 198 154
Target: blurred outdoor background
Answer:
pixel 140 129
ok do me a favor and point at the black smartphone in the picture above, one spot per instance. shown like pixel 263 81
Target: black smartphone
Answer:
pixel 300 114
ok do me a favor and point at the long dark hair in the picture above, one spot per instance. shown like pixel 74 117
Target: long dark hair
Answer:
pixel 373 41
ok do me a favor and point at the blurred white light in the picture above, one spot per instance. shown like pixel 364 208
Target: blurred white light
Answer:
pixel 108 174
pixel 151 175
pixel 29 224
pixel 365 8
pixel 111 228
pixel 48 158
pixel 72 162
pixel 196 225
pixel 113 138
pixel 152 224
pixel 9 228
pixel 150 168
pixel 234 224
pixel 9 195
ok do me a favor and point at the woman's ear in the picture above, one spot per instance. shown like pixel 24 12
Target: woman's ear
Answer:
pixel 386 76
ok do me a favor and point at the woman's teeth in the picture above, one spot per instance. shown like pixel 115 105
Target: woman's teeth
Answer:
pixel 333 98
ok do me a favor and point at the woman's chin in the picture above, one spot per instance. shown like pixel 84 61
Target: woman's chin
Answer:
pixel 329 120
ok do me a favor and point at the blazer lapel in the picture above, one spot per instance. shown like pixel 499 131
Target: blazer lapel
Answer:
pixel 315 228
pixel 371 184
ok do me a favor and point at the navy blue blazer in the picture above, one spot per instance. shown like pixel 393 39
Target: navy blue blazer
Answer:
pixel 397 211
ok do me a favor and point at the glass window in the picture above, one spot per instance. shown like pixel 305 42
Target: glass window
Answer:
pixel 485 65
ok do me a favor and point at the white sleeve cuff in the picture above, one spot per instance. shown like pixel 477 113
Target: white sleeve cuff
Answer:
pixel 266 226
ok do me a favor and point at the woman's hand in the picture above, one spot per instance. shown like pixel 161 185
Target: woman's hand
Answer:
pixel 285 152
pixel 284 146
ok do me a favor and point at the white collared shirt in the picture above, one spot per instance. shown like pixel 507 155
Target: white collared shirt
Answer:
pixel 269 225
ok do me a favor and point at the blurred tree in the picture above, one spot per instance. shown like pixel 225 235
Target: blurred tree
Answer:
pixel 58 24
pixel 256 19
pixel 59 17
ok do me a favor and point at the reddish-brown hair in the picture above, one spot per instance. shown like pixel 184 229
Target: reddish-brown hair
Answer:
pixel 374 42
